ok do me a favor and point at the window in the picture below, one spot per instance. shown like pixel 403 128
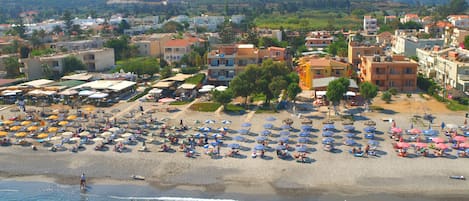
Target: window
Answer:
pixel 55 63
pixel 409 83
pixel 318 72
pixel 380 83
pixel 408 71
pixel 380 71
pixel 337 72
pixel 391 83
pixel 393 71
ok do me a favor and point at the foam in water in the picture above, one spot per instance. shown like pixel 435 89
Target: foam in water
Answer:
pixel 168 198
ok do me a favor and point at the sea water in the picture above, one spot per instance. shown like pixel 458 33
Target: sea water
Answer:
pixel 44 191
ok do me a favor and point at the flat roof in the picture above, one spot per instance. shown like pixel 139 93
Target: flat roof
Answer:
pixel 323 82
pixel 37 83
pixel 163 84
pixel 80 76
pixel 68 83
pixel 115 85
pixel 122 85
pixel 4 82
pixel 178 77
pixel 187 86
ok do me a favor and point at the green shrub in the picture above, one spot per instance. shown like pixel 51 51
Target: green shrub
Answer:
pixel 180 102
pixel 409 95
pixel 455 106
pixel 189 70
pixel 196 79
pixel 393 91
pixel 386 97
pixel 205 107
pixel 375 107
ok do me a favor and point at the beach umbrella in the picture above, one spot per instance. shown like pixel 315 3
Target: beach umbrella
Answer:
pixel 119 140
pixel 369 135
pixel 283 139
pixel 430 132
pixel 115 110
pixel 369 129
pixel 75 139
pixel 459 138
pixel 268 126
pixel 350 135
pixel 328 126
pixel 270 118
pixel 126 135
pixel 209 121
pixel 114 129
pixel 302 149
pixel 420 145
pixel 217 135
pixel 239 138
pixel 226 122
pixel 3 133
pixel 43 135
pixel 53 117
pixel 84 134
pixel 303 140
pixel 464 145
pixel 265 132
pixel 442 146
pixel 52 129
pixel 373 143
pixel 166 100
pixel 261 138
pixel 214 144
pixel 350 142
pixel 259 147
pixel 403 145
pixel 234 146
pixel 327 134
pixel 284 132
pixel 280 147
pixel 106 134
pixel 243 131
pixel 16 123
pixel 437 140
pixel 304 134
pixel 72 117
pixel 328 140
pixel 25 123
pixel 98 139
pixel 8 122
pixel 63 123
pixel 21 134
pixel 349 127
pixel 67 134
pixel 452 126
pixel 396 130
pixel 306 127
pixel 246 124
pixel 15 128
pixel 222 129
pixel 415 131
pixel 285 126
pixel 370 123
pixel 56 138
pixel 206 129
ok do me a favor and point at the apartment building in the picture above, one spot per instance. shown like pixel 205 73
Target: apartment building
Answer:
pixel 370 25
pixel 356 50
pixel 389 72
pixel 227 61
pixel 313 67
pixel 461 21
pixel 175 49
pixel 80 45
pixel 151 45
pixel 407 44
pixel 318 39
pixel 94 60
pixel 389 19
pixel 449 67
pixel 411 17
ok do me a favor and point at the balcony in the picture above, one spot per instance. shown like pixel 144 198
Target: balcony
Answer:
pixel 378 77
pixel 219 78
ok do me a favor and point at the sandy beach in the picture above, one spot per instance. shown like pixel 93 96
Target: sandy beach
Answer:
pixel 328 174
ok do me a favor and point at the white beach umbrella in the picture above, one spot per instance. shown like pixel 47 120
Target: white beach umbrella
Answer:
pixel 75 139
pixel 114 129
pixel 106 134
pixel 56 138
pixel 67 134
pixel 119 140
pixel 126 135
pixel 98 139
pixel 84 133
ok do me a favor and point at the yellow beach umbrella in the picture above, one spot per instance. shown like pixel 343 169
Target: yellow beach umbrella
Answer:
pixel 3 133
pixel 43 135
pixel 33 128
pixel 63 123
pixel 89 109
pixel 21 134
pixel 52 129
pixel 71 117
pixel 8 122
pixel 25 123
pixel 15 128
pixel 53 117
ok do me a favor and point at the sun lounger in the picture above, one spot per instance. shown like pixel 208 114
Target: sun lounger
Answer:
pixel 359 154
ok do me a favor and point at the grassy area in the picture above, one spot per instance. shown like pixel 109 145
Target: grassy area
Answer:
pixel 455 106
pixel 234 108
pixel 205 107
pixel 180 102
pixel 258 97
pixel 375 107
pixel 314 20
pixel 196 79
pixel 266 109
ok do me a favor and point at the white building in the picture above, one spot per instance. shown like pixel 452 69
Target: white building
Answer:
pixel 80 45
pixel 407 44
pixel 461 21
pixel 370 25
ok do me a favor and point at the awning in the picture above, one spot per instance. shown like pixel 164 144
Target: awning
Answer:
pixel 86 93
pixel 155 91
pixel 350 93
pixel 321 93
pixel 98 95
pixel 187 86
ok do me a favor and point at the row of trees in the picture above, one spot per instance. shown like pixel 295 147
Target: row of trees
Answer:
pixel 337 88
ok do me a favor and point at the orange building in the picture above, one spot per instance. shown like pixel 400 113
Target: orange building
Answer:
pixel 389 72
pixel 356 50
pixel 312 67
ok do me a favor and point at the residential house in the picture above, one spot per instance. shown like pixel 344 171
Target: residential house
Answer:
pixel 454 37
pixel 271 33
pixel 389 19
pixel 385 39
pixel 151 45
pixel 411 17
pixel 370 25
pixel 80 45
pixel 313 67
pixel 460 21
pixel 175 49
pixel 318 39
pixel 210 23
pixel 437 30
pixel 389 72
pixel 356 50
pixel 449 67
pixel 408 43
pixel 94 60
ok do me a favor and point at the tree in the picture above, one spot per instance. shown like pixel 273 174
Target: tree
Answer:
pixel 222 97
pixel 140 65
pixel 123 25
pixel 368 91
pixel 227 35
pixel 386 96
pixel 466 42
pixel 12 66
pixel 57 29
pixel 335 91
pixel 292 91
pixel 122 49
pixel 242 86
pixel 457 6
pixel 68 21
pixel 20 30
pixel 166 72
pixel 72 63
pixel 338 47
pixel 252 37
pixel 172 27
pixel 277 85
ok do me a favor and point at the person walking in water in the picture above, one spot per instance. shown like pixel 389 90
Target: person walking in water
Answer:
pixel 82 181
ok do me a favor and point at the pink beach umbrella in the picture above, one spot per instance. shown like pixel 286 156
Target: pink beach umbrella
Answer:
pixel 421 144
pixel 403 145
pixel 166 100
pixel 464 145
pixel 441 146
pixel 460 138
pixel 396 130
pixel 415 131
pixel 437 140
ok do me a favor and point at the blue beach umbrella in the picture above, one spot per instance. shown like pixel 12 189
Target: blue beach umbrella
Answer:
pixel 259 147
pixel 430 132
pixel 261 138
pixel 265 132
pixel 328 140
pixel 306 127
pixel 304 134
pixel 270 118
pixel 239 138
pixel 350 142
pixel 369 135
pixel 226 122
pixel 268 126
pixel 214 144
pixel 283 139
pixel 243 131
pixel 328 126
pixel 349 127
pixel 350 135
pixel 302 149
pixel 209 121
pixel 246 124
pixel 373 142
pixel 369 129
pixel 234 146
pixel 327 134
pixel 466 133
pixel 303 140
pixel 285 126
pixel 284 132
pixel 280 147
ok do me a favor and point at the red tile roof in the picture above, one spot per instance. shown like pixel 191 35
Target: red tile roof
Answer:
pixel 178 43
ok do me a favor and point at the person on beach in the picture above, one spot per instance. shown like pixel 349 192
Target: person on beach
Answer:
pixel 83 181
